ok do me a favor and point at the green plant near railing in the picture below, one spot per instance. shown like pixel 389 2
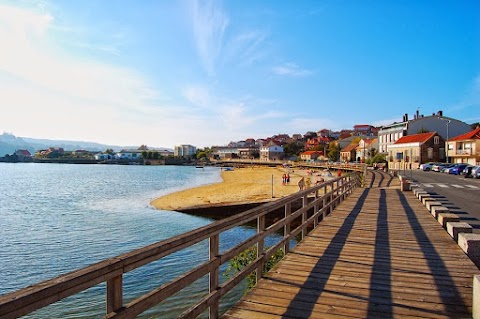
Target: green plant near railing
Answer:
pixel 247 257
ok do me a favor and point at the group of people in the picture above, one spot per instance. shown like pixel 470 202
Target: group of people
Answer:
pixel 286 179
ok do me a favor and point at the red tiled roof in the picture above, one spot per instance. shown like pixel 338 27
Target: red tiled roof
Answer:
pixel 416 138
pixel 472 135
pixel 311 153
pixel 349 148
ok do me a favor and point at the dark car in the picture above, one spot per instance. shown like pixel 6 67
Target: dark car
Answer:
pixel 457 169
pixel 467 171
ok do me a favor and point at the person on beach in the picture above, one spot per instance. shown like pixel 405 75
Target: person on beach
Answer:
pixel 288 178
pixel 301 184
pixel 284 179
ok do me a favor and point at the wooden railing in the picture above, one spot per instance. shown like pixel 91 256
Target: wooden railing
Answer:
pixel 313 208
pixel 357 167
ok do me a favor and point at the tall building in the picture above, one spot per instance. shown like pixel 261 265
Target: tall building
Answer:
pixel 184 150
pixel 446 127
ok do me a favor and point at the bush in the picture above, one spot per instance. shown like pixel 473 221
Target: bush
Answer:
pixel 247 257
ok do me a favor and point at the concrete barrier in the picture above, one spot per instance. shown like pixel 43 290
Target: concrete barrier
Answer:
pixel 444 218
pixel 427 199
pixel 432 203
pixel 418 190
pixel 438 209
pixel 476 297
pixel 470 244
pixel 455 228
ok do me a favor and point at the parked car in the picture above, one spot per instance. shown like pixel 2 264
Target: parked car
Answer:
pixel 467 171
pixel 457 169
pixel 438 167
pixel 476 172
pixel 441 166
pixel 427 166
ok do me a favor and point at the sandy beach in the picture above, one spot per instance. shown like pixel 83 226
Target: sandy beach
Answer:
pixel 240 185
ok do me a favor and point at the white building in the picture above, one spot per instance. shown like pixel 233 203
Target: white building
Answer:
pixel 271 152
pixel 184 150
pixel 129 154
pixel 446 127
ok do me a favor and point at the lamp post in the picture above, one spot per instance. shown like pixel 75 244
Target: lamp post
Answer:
pixel 446 144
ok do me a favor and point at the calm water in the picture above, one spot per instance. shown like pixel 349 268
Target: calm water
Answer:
pixel 56 218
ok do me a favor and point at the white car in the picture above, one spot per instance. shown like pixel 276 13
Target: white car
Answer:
pixel 427 166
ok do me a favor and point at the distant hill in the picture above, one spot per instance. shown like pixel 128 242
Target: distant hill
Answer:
pixel 9 143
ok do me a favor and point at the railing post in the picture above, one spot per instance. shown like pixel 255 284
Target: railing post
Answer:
pixel 304 216
pixel 260 245
pixel 114 294
pixel 213 276
pixel 286 228
pixel 332 204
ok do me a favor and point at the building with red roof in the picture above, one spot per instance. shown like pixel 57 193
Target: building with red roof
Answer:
pixel 347 154
pixel 410 151
pixel 310 155
pixel 465 148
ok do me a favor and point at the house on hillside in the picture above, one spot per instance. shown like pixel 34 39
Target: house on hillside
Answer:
pixel 310 156
pixel 348 153
pixel 51 152
pixel 412 150
pixel 131 155
pixel 465 148
pixel 271 152
pixel 365 149
pixel 23 155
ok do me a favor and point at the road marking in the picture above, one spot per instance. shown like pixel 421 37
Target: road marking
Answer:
pixel 428 185
pixel 442 185
pixel 472 186
pixel 457 186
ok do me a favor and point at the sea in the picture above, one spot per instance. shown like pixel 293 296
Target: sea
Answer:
pixel 56 218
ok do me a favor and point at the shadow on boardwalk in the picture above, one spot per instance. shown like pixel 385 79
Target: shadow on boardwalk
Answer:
pixel 380 254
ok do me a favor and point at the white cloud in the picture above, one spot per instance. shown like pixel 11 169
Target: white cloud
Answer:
pixel 198 95
pixel 209 25
pixel 247 48
pixel 291 69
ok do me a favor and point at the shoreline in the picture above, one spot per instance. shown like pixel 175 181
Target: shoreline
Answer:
pixel 240 186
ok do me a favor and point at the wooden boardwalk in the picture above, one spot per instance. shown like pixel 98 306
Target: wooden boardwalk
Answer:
pixel 380 254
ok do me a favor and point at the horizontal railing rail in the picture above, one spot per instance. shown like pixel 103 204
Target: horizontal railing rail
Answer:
pixel 357 167
pixel 313 208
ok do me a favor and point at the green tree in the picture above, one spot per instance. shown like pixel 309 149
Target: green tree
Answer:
pixel 109 151
pixel 292 148
pixel 156 155
pixel 333 151
pixel 144 155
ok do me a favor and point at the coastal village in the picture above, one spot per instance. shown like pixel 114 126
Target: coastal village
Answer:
pixel 400 145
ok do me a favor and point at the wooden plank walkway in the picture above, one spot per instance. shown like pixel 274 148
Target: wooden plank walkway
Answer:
pixel 380 254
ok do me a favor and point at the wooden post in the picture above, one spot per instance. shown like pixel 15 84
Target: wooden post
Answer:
pixel 260 245
pixel 114 294
pixel 304 216
pixel 286 228
pixel 213 276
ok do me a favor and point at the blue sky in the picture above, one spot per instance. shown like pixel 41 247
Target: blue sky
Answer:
pixel 165 73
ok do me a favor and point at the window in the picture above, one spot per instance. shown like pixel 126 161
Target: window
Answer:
pixel 436 140
pixel 430 153
pixel 467 146
pixel 450 146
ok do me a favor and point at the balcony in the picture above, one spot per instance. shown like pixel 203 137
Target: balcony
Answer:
pixel 464 152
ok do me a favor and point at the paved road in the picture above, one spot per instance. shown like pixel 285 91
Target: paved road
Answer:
pixel 461 195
